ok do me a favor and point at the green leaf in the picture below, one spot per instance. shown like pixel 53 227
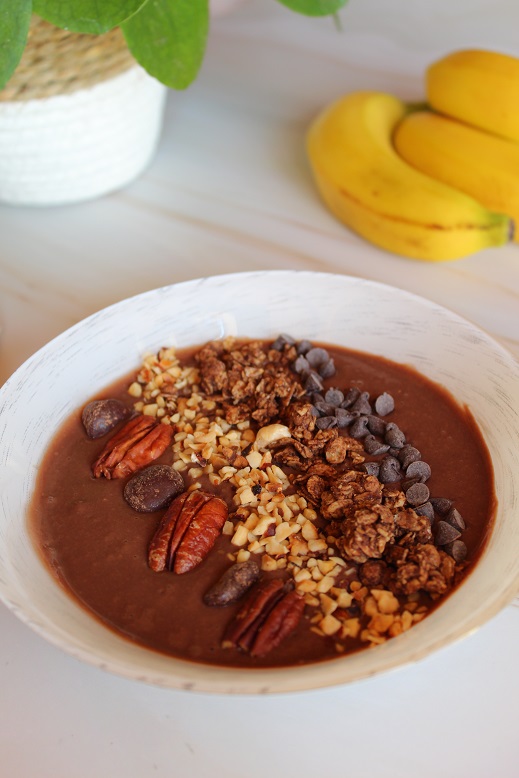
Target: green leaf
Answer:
pixel 314 7
pixel 14 26
pixel 91 16
pixel 168 38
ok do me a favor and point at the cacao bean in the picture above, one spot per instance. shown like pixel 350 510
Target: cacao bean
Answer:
pixel 233 584
pixel 101 416
pixel 153 488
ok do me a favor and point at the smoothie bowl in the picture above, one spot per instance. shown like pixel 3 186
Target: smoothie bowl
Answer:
pixel 262 482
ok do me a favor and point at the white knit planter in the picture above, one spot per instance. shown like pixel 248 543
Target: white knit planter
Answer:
pixel 79 118
pixel 78 146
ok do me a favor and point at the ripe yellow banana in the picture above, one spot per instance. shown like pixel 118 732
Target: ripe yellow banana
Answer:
pixel 478 87
pixel 481 165
pixel 378 195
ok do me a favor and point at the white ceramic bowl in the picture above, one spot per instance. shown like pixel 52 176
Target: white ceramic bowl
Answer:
pixel 336 309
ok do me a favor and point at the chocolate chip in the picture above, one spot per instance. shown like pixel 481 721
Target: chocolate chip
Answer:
pixel 455 519
pixel 313 383
pixel 441 505
pixel 283 340
pixel 445 533
pixel 316 357
pixel 334 396
pixel 457 549
pixel 314 411
pixel 303 346
pixel 327 369
pixel 153 488
pixel 374 446
pixel 389 470
pixel 256 489
pixel 371 468
pixel 301 365
pixel 418 469
pixel 317 398
pixel 417 494
pixel 101 416
pixel 325 409
pixel 344 417
pixel 359 427
pixel 326 422
pixel 233 584
pixel 376 425
pixel 408 454
pixel 349 398
pixel 407 482
pixel 426 510
pixel 394 436
pixel 384 404
pixel 362 404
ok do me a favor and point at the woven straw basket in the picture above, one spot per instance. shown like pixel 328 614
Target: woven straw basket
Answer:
pixel 78 119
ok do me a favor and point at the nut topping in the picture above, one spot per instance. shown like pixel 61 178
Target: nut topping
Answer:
pixel 268 616
pixel 139 442
pixel 187 532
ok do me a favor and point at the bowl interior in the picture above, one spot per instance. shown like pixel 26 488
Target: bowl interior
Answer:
pixel 321 307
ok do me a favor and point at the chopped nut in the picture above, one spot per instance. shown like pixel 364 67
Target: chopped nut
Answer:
pixel 270 434
pixel 325 584
pixel 328 605
pixel 351 628
pixel 381 622
pixel 325 566
pixel 302 575
pixel 284 530
pixel 317 546
pixel 330 625
pixel 386 601
pixel 344 599
pixel 135 389
pixel 267 563
pixel 306 586
pixel 298 547
pixel 241 536
pixel 254 459
pixel 309 531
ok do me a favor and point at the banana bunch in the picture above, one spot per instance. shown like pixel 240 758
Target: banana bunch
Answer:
pixel 419 183
pixel 473 144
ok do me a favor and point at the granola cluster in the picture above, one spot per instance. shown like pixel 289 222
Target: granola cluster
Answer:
pixel 305 503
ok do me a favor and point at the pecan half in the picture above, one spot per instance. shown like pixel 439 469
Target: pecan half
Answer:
pixel 268 616
pixel 187 532
pixel 139 442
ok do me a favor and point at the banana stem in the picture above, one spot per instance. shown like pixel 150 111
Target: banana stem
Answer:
pixel 415 107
